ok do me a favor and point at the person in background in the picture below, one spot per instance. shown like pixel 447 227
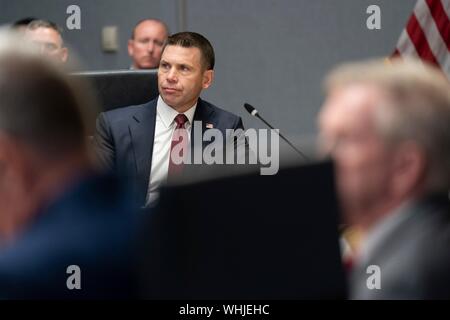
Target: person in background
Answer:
pixel 146 43
pixel 48 37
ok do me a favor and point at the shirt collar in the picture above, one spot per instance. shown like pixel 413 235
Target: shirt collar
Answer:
pixel 168 114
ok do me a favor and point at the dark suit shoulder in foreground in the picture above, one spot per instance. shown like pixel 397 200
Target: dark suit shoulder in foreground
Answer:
pixel 92 227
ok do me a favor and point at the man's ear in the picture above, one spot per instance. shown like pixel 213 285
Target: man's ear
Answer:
pixel 208 77
pixel 64 54
pixel 8 164
pixel 409 165
pixel 130 47
pixel 16 193
pixel 4 148
pixel 14 157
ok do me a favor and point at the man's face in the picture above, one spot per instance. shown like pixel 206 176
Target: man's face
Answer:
pixel 146 47
pixel 348 133
pixel 182 77
pixel 49 42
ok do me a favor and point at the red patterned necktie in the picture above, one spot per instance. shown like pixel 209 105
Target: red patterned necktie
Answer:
pixel 178 146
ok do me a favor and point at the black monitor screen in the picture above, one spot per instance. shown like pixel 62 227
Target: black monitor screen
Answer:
pixel 246 237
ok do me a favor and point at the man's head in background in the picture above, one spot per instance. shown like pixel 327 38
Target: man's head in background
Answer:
pixel 42 133
pixel 186 68
pixel 47 36
pixel 146 43
pixel 387 126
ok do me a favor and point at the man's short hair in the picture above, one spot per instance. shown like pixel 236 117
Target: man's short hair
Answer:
pixel 36 24
pixel 148 19
pixel 416 108
pixel 196 40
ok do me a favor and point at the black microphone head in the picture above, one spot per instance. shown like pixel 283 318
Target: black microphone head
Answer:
pixel 250 109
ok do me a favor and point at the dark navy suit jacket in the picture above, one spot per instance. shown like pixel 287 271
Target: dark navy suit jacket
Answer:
pixel 92 225
pixel 124 139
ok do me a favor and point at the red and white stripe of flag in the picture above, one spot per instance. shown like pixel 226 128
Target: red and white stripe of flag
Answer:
pixel 427 34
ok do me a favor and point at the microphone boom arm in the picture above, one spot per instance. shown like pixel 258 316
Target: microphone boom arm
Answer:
pixel 255 113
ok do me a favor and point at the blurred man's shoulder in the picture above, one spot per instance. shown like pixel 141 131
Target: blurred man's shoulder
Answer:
pixel 129 111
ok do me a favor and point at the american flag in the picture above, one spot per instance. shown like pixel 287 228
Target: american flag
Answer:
pixel 427 34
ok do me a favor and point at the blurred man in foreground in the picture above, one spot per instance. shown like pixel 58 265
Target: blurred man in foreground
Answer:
pixel 388 129
pixel 47 36
pixel 146 43
pixel 65 231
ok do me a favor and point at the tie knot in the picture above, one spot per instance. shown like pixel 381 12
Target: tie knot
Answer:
pixel 180 120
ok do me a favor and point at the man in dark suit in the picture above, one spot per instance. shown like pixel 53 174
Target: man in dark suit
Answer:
pixel 387 127
pixel 138 141
pixel 65 230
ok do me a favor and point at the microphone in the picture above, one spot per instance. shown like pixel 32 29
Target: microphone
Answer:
pixel 252 110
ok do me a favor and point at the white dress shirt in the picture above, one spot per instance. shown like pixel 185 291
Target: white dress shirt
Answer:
pixel 164 128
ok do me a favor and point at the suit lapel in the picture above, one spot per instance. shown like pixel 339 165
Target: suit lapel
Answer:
pixel 142 131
